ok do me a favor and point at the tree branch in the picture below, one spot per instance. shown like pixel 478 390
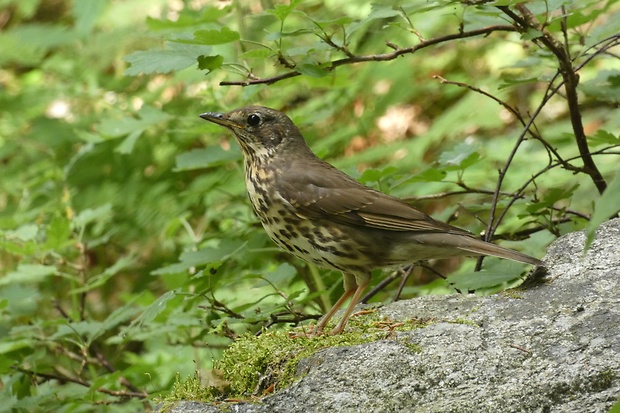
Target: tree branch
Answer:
pixel 351 58
pixel 571 79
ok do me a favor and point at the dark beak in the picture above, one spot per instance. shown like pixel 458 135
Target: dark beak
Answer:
pixel 220 119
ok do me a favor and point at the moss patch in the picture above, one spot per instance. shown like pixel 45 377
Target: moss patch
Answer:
pixel 254 366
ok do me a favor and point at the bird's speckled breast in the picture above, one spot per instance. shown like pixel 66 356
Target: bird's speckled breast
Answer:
pixel 319 242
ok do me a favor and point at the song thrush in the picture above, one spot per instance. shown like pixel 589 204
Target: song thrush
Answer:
pixel 321 215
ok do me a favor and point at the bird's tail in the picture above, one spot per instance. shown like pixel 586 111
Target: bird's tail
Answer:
pixel 468 245
pixel 479 247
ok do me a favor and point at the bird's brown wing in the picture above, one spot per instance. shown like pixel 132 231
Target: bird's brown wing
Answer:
pixel 342 199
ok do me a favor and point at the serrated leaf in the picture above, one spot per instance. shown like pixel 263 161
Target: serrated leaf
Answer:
pixel 553 195
pixel 210 62
pixel 206 157
pixel 380 11
pixel 176 57
pixel 429 175
pixel 602 137
pixel 57 232
pixel 281 11
pixel 375 175
pixel 213 37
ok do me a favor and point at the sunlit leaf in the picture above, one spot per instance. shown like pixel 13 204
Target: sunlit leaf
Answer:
pixel 605 207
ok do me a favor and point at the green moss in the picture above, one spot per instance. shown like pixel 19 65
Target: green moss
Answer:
pixel 603 380
pixel 254 366
pixel 190 389
pixel 463 321
pixel 514 293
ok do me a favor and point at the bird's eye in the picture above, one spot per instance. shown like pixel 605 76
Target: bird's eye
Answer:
pixel 253 119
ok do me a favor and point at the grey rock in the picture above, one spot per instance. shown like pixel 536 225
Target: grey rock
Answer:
pixel 554 348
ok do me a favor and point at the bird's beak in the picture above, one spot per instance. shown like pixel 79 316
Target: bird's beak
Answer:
pixel 220 119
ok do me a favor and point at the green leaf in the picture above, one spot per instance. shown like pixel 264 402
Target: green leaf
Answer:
pixel 281 11
pixel 126 146
pixel 604 208
pixel 376 175
pixel 553 195
pixel 495 274
pixel 531 34
pixel 605 86
pixel 85 217
pixel 312 70
pixel 462 156
pixel 280 278
pixel 212 37
pixel 157 61
pixel 429 175
pixel 154 309
pixel 175 58
pixel 210 62
pixel 28 273
pixel 615 408
pixel 380 11
pixel 10 346
pixel 188 18
pixel 24 233
pixel 57 232
pixel 602 137
pixel 100 279
pixel 146 117
pixel 207 157
pixel 86 14
pixel 78 329
pixel 204 256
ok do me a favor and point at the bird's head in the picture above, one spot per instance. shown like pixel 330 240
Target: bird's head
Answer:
pixel 261 131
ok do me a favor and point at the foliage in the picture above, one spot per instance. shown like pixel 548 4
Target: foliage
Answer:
pixel 129 254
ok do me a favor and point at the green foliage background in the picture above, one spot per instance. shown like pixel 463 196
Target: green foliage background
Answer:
pixel 128 250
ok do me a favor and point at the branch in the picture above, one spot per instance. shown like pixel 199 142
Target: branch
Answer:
pixel 65 379
pixel 351 58
pixel 571 79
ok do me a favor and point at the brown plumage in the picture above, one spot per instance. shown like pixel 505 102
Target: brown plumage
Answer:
pixel 323 216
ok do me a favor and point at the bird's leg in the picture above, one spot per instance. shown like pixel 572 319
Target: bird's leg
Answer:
pixel 354 300
pixel 318 330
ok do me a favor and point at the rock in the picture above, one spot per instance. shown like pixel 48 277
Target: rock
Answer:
pixel 552 347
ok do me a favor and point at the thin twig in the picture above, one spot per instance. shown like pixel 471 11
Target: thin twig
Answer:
pixel 485 31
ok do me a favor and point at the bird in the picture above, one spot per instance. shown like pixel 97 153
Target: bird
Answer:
pixel 323 216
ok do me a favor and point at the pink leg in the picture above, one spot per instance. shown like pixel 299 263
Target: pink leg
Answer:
pixel 356 297
pixel 318 330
